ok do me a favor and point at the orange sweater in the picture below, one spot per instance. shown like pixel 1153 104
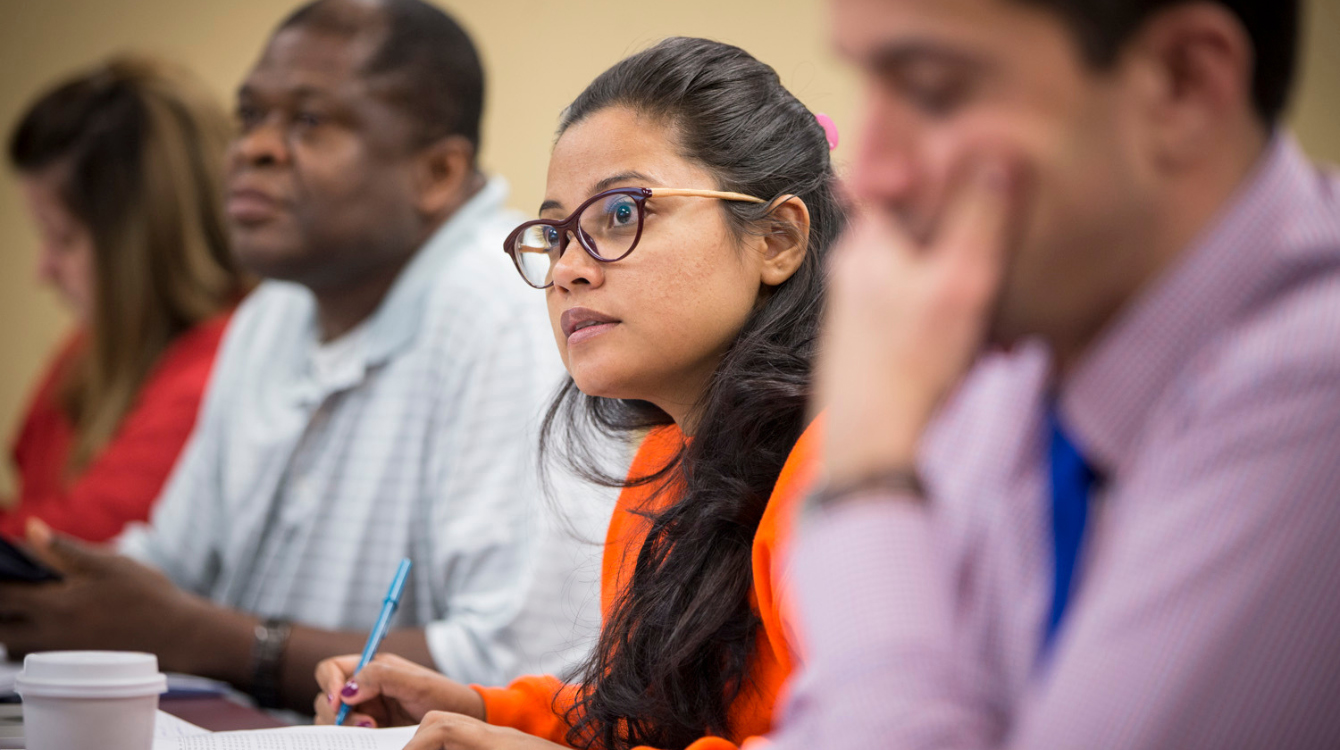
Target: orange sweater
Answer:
pixel 529 703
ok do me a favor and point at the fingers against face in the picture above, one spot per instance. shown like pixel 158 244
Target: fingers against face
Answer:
pixel 874 250
pixel 975 235
pixel 905 319
pixel 878 267
pixel 974 224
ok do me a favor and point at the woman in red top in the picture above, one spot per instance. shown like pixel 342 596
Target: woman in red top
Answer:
pixel 121 168
pixel 689 205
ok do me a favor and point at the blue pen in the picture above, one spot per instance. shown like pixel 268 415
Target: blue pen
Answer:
pixel 379 630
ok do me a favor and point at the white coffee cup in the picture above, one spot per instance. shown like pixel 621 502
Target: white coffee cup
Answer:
pixel 89 699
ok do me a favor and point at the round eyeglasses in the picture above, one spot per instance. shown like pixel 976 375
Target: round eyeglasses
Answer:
pixel 607 226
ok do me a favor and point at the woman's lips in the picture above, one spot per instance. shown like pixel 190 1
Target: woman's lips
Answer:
pixel 580 324
pixel 589 332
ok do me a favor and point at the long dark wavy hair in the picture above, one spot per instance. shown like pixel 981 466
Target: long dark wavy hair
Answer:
pixel 676 649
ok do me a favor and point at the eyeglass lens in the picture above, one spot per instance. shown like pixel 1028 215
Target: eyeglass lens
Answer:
pixel 609 227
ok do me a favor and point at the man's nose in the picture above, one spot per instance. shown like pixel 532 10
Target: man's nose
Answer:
pixel 263 144
pixel 885 171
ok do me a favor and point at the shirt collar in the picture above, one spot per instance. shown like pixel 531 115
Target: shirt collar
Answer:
pixel 396 321
pixel 1239 260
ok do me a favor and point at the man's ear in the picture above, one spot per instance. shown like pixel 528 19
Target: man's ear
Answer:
pixel 786 241
pixel 444 169
pixel 1199 61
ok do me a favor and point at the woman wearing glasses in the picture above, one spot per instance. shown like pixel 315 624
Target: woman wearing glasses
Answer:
pixel 689 205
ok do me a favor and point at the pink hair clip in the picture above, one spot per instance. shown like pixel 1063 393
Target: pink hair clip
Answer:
pixel 830 130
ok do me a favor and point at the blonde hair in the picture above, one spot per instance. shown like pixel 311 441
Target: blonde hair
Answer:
pixel 139 145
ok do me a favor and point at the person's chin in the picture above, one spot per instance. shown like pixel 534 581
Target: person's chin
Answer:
pixel 271 254
pixel 591 383
pixel 595 378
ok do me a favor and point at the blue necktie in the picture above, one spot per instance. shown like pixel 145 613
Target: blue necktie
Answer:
pixel 1071 480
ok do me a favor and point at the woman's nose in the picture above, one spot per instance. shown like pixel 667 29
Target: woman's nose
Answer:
pixel 575 267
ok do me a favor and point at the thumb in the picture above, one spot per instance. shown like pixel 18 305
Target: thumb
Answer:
pixel 39 534
pixel 55 550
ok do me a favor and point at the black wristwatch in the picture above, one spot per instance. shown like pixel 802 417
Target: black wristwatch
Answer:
pixel 267 654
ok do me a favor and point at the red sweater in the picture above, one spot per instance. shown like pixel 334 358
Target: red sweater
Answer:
pixel 121 482
pixel 536 705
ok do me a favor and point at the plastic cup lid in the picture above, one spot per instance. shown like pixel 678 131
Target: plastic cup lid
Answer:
pixel 90 674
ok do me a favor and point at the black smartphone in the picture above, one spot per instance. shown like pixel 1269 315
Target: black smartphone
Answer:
pixel 18 565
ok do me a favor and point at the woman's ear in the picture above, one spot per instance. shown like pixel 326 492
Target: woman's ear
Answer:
pixel 787 240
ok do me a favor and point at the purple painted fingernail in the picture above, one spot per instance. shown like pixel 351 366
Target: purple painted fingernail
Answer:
pixel 350 689
pixel 365 723
pixel 330 698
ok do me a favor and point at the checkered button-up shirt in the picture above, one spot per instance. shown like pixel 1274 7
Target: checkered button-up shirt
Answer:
pixel 315 468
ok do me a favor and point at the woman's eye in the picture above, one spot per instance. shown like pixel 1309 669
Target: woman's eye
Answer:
pixel 550 236
pixel 622 213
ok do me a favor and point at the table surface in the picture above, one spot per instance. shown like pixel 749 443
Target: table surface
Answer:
pixel 218 713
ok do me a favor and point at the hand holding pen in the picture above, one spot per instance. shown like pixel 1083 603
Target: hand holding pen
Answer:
pixel 389 607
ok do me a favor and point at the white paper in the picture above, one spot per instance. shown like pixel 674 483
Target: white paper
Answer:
pixel 293 738
pixel 167 726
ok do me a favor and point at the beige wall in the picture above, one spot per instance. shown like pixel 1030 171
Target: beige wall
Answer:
pixel 43 39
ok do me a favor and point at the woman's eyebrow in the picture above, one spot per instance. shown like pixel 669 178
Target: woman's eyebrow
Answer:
pixel 601 187
pixel 613 180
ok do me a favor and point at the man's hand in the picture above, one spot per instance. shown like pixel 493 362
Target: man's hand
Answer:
pixel 905 321
pixel 108 601
pixel 389 691
pixel 448 731
pixel 105 601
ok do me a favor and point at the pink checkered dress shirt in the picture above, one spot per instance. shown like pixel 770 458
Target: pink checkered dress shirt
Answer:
pixel 1208 608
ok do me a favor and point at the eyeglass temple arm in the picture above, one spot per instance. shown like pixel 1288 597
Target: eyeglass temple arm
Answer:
pixel 670 192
